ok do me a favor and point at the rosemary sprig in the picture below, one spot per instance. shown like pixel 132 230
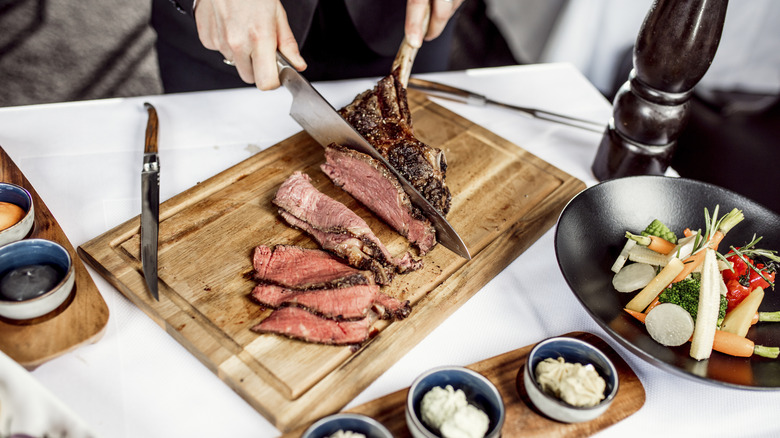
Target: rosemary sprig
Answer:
pixel 749 250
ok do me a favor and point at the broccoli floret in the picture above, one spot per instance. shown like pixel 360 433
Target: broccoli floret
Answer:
pixel 685 293
pixel 658 228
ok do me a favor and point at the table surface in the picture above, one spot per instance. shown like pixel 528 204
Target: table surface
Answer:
pixel 84 160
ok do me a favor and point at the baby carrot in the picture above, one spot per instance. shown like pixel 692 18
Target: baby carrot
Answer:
pixel 765 317
pixel 722 226
pixel 655 243
pixel 656 301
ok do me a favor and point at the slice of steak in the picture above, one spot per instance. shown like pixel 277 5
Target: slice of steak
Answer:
pixel 382 116
pixel 297 323
pixel 369 181
pixel 338 229
pixel 391 308
pixel 346 303
pixel 346 246
pixel 301 268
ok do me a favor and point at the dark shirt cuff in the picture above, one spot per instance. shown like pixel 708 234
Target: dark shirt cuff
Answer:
pixel 183 6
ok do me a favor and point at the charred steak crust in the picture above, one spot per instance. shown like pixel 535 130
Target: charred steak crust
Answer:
pixel 369 181
pixel 300 268
pixel 382 116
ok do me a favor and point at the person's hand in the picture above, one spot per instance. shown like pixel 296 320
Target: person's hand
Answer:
pixel 248 33
pixel 416 14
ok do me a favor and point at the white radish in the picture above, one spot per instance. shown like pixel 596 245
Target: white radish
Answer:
pixel 669 324
pixel 633 277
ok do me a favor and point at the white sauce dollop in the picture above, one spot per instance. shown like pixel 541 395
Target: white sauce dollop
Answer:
pixel 347 434
pixel 448 411
pixel 573 383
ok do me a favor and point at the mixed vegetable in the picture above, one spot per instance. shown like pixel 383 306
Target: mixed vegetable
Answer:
pixel 690 292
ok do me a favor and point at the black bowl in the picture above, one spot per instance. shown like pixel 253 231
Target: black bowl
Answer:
pixel 590 235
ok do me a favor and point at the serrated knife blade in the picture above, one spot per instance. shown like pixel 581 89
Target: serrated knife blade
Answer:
pixel 320 120
pixel 150 203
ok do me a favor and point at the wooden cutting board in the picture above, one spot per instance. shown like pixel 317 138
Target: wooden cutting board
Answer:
pixel 81 319
pixel 504 199
pixel 522 419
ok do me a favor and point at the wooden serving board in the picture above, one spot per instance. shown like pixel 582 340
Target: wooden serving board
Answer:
pixel 522 417
pixel 79 320
pixel 504 199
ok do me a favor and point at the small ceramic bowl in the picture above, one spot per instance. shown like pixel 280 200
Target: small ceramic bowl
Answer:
pixel 14 194
pixel 480 392
pixel 328 426
pixel 574 351
pixel 29 252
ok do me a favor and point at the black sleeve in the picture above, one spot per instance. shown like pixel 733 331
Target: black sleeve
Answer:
pixel 183 6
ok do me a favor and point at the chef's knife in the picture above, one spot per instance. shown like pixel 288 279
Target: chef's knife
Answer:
pixel 150 203
pixel 326 126
pixel 464 96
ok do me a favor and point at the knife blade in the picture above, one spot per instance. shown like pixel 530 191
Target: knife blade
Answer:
pixel 318 118
pixel 150 203
pixel 449 92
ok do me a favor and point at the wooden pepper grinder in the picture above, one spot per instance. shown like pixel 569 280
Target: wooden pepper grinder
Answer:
pixel 674 49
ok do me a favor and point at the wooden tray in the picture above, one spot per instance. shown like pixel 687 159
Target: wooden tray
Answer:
pixel 504 199
pixel 80 320
pixel 522 418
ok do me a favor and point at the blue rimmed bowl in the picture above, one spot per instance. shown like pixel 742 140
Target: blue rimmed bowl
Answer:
pixel 17 299
pixel 480 392
pixel 573 351
pixel 328 426
pixel 17 195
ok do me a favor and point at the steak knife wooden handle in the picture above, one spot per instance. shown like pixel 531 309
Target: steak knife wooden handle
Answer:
pixel 150 143
pixel 406 53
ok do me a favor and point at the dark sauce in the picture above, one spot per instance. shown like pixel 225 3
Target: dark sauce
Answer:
pixel 28 282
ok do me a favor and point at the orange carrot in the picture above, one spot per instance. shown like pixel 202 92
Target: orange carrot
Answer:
pixel 661 245
pixel 687 232
pixel 638 315
pixel 722 226
pixel 733 345
pixel 695 260
pixel 655 243
pixel 765 317
pixel 653 303
pixel 728 343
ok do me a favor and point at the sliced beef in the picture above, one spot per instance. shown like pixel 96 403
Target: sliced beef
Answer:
pixel 297 323
pixel 382 116
pixel 369 181
pixel 338 229
pixel 301 268
pixel 348 303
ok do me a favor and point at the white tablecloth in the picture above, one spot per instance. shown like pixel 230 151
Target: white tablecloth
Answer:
pixel 84 160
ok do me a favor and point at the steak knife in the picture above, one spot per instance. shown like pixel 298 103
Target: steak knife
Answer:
pixel 150 203
pixel 318 118
pixel 448 92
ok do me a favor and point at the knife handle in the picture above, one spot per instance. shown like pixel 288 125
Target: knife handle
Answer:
pixel 152 126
